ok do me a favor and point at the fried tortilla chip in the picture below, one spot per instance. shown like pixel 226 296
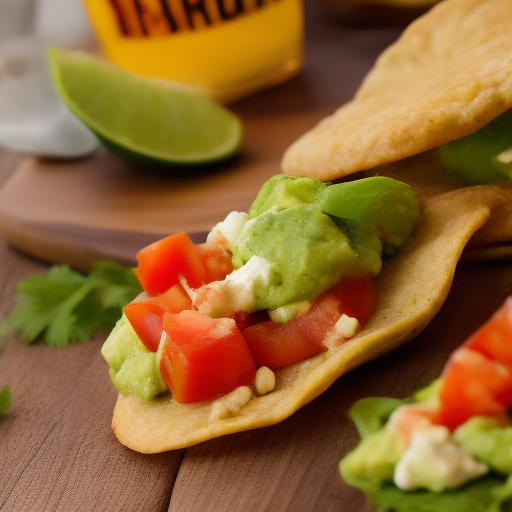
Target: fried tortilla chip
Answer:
pixel 410 290
pixel 448 75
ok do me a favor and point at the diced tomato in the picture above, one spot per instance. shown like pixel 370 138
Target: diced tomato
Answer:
pixel 161 263
pixel 277 345
pixel 494 338
pixel 203 357
pixel 357 299
pixel 473 386
pixel 216 258
pixel 145 313
pixel 478 376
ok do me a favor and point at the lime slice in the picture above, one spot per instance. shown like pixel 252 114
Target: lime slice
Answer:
pixel 142 118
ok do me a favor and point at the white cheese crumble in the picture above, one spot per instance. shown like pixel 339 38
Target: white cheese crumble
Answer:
pixel 265 380
pixel 432 461
pixel 238 290
pixel 242 283
pixel 346 327
pixel 230 228
pixel 231 404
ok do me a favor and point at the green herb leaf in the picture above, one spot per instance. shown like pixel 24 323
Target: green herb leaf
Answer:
pixel 487 494
pixel 66 306
pixel 5 399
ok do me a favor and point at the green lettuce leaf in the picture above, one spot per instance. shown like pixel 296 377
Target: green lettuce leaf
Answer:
pixel 482 495
pixel 371 414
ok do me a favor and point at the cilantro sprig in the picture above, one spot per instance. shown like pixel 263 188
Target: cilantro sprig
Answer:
pixel 66 306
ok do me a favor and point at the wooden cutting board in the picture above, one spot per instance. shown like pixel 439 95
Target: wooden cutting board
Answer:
pixel 77 212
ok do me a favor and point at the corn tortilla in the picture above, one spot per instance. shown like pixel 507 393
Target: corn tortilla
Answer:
pixel 448 75
pixel 410 290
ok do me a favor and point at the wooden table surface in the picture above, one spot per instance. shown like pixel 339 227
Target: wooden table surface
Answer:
pixel 57 449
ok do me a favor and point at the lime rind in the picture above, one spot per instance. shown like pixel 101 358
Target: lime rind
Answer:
pixel 167 123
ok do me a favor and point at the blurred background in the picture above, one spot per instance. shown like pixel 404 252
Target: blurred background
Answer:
pixel 34 121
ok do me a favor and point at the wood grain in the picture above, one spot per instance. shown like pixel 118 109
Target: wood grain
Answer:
pixel 57 450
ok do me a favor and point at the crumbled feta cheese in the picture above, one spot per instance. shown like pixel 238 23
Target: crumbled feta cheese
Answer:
pixel 242 283
pixel 265 380
pixel 230 227
pixel 236 293
pixel 434 462
pixel 231 404
pixel 346 327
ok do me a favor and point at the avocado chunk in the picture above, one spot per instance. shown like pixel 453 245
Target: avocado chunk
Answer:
pixel 373 461
pixel 308 254
pixel 483 156
pixel 133 368
pixel 487 441
pixel 385 207
pixel 283 192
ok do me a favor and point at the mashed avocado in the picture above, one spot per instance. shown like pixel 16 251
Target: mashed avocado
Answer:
pixel 386 208
pixel 308 252
pixel 372 466
pixel 133 368
pixel 373 461
pixel 487 441
pixel 315 234
pixel 283 192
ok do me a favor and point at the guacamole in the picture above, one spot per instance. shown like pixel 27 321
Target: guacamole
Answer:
pixel 301 238
pixel 481 445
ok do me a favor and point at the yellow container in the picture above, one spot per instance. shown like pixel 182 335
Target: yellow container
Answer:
pixel 231 48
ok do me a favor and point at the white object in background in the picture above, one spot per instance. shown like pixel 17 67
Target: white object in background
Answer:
pixel 63 23
pixel 32 117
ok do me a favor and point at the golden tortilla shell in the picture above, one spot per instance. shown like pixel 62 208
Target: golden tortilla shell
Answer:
pixel 410 290
pixel 448 75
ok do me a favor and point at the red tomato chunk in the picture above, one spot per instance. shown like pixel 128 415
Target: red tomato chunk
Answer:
pixel 203 357
pixel 277 345
pixel 477 380
pixel 145 313
pixel 161 263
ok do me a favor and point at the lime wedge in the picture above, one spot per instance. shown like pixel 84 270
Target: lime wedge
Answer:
pixel 144 119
